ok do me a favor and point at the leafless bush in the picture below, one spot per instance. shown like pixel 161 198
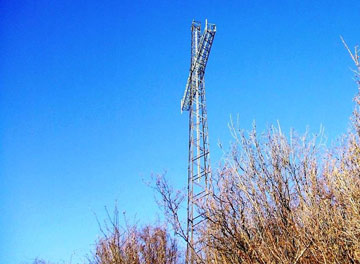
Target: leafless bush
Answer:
pixel 131 245
pixel 282 200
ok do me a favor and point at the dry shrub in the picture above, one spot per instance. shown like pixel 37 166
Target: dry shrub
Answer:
pixel 281 200
pixel 131 245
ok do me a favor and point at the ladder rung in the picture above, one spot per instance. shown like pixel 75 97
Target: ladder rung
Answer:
pixel 197 178
pixel 200 156
pixel 200 195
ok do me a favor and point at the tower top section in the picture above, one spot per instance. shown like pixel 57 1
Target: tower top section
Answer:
pixel 201 47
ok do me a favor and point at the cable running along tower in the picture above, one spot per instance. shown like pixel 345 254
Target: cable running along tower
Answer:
pixel 199 173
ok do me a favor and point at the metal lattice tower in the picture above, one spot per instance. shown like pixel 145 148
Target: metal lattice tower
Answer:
pixel 199 172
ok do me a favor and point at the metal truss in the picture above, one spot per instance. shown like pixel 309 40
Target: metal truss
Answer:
pixel 199 171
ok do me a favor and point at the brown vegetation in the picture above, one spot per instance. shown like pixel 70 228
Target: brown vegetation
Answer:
pixel 150 245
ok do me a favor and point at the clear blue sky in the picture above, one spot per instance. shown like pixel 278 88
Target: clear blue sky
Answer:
pixel 90 101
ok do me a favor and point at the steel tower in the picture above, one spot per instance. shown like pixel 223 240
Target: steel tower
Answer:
pixel 199 172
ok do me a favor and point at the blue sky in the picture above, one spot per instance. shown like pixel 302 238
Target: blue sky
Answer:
pixel 90 101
